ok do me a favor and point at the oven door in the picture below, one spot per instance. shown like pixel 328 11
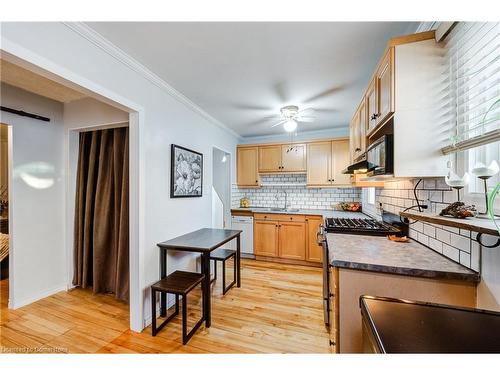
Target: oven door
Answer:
pixel 326 280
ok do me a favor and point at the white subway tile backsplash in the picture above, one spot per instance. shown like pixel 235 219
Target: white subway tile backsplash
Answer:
pixel 430 230
pixel 443 235
pixel 451 252
pixel 456 244
pixel 460 242
pixel 299 196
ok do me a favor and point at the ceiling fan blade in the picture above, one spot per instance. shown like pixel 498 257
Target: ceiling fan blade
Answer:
pixel 324 94
pixel 325 110
pixel 306 119
pixel 251 107
pixel 282 91
pixel 263 120
pixel 279 123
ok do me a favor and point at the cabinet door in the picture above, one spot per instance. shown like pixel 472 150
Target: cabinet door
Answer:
pixel 361 129
pixel 319 163
pixel 385 83
pixel 247 159
pixel 314 252
pixel 340 160
pixel 293 158
pixel 333 295
pixel 371 106
pixel 265 238
pixel 270 159
pixel 292 240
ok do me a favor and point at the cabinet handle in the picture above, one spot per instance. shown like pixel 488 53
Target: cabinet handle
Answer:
pixel 332 343
pixel 357 149
pixel 331 295
pixel 256 181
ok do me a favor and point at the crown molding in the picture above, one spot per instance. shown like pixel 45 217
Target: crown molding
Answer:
pixel 98 40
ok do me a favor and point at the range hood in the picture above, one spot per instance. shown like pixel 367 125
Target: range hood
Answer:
pixel 361 166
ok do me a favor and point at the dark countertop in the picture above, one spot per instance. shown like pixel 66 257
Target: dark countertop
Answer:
pixel 305 211
pixel 378 254
pixel 202 240
pixel 400 326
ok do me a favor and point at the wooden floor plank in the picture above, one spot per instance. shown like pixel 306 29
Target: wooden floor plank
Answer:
pixel 278 309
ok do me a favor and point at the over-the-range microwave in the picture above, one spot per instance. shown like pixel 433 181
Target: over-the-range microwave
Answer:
pixel 380 156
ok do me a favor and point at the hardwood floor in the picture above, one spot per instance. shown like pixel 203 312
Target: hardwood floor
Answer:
pixel 278 309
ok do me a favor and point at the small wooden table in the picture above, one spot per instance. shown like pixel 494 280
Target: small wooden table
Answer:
pixel 202 241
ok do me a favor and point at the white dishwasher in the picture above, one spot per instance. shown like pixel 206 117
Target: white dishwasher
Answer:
pixel 244 223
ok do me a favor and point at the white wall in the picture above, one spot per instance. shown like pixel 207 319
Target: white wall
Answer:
pixel 37 255
pixel 166 120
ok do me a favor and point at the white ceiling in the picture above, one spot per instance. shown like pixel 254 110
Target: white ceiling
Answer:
pixel 242 73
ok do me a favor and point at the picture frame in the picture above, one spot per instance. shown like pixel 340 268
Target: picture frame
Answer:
pixel 186 172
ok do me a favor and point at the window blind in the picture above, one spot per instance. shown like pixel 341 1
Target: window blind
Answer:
pixel 473 51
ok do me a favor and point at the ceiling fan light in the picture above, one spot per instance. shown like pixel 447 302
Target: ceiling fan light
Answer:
pixel 290 125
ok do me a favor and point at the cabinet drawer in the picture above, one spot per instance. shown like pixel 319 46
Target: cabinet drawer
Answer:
pixel 280 217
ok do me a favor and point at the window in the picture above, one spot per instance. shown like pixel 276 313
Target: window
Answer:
pixel 473 52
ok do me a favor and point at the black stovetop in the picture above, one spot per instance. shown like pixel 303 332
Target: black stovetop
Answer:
pixel 360 226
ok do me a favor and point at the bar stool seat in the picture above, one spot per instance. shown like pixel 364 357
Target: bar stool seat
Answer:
pixel 179 283
pixel 222 255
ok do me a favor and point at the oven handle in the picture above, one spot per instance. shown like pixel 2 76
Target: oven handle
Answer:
pixel 320 237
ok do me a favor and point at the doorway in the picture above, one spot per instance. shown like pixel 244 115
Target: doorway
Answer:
pixel 101 212
pixel 4 214
pixel 221 188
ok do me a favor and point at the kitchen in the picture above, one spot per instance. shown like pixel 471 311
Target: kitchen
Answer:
pixel 302 193
pixel 339 196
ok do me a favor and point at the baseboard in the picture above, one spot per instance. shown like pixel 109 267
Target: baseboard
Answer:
pixel 17 303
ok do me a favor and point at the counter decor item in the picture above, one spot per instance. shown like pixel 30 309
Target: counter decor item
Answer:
pixel 459 210
pixel 350 206
pixel 457 183
pixel 186 173
pixel 244 202
pixel 398 239
pixel 484 173
pixel 492 215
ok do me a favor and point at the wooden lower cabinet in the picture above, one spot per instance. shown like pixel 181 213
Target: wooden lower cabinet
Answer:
pixel 291 237
pixel 265 238
pixel 292 240
pixel 314 252
pixel 333 296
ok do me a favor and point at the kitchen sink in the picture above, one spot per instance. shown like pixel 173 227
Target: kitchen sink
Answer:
pixel 281 209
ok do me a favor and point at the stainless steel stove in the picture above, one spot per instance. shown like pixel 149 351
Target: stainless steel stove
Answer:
pixel 390 224
pixel 360 226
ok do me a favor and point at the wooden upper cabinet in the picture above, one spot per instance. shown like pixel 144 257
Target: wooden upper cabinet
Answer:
pixel 371 106
pixel 247 163
pixel 385 86
pixel 270 159
pixel 293 158
pixel 340 161
pixel 292 240
pixel 265 237
pixel 319 161
pixel 314 252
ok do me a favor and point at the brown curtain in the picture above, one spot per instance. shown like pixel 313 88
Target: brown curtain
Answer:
pixel 101 244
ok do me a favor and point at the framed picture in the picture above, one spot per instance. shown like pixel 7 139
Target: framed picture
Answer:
pixel 186 173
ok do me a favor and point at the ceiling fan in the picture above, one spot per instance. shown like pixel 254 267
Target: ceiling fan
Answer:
pixel 291 115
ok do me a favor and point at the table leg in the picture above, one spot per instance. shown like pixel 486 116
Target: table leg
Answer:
pixel 238 261
pixel 205 269
pixel 163 273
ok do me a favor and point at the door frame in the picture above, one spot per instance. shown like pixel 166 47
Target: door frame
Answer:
pixel 17 54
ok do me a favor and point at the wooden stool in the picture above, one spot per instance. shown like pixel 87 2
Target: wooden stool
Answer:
pixel 179 283
pixel 223 255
